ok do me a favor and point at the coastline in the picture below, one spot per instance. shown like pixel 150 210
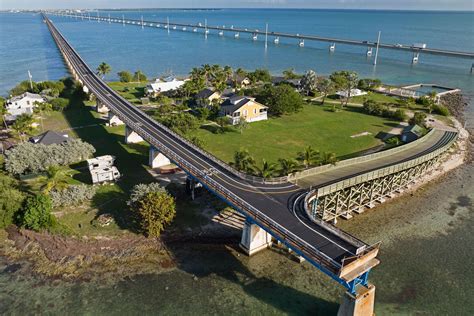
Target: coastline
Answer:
pixel 72 258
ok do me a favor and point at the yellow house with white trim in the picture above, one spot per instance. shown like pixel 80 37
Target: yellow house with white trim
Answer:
pixel 242 107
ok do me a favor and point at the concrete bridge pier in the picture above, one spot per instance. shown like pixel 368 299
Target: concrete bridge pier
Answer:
pixel 132 137
pixel 100 107
pixel 369 51
pixel 114 120
pixel 156 159
pixel 254 238
pixel 415 58
pixel 360 304
pixel 332 47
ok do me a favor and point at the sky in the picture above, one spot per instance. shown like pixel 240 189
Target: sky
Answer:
pixel 461 5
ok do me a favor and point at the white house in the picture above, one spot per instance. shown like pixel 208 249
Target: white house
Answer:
pixel 354 93
pixel 22 104
pixel 163 85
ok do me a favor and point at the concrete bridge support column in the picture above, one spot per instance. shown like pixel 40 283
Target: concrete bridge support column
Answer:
pixel 114 120
pixel 131 137
pixel 254 238
pixel 361 304
pixel 156 159
pixel 100 107
pixel 415 58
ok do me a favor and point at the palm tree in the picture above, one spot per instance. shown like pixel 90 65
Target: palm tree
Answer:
pixel 287 166
pixel 308 156
pixel 327 158
pixel 103 69
pixel 22 125
pixel 55 179
pixel 228 72
pixel 242 160
pixel 266 171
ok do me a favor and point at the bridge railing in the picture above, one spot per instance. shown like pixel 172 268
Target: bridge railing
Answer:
pixel 274 228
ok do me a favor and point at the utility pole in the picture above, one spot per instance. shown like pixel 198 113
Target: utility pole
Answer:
pixel 168 24
pixel 377 50
pixel 123 20
pixel 31 82
pixel 205 27
pixel 266 35
pixel 142 21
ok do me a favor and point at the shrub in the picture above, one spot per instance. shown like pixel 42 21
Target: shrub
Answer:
pixel 59 104
pixel 155 210
pixel 418 119
pixel 29 157
pixel 400 114
pixel 142 189
pixel 395 141
pixel 36 213
pixel 72 195
pixel 11 200
pixel 441 110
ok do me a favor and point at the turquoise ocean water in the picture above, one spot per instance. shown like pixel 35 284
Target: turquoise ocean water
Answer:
pixel 425 265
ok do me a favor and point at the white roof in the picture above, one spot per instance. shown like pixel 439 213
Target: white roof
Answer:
pixel 354 93
pixel 165 86
pixel 26 95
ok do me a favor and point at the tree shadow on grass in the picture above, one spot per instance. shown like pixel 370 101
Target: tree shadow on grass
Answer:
pixel 219 260
pixel 130 161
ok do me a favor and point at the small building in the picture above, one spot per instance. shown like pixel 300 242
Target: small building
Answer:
pixel 278 80
pixel 411 133
pixel 49 138
pixel 22 104
pixel 206 96
pixel 163 85
pixel 354 93
pixel 239 81
pixel 102 169
pixel 242 107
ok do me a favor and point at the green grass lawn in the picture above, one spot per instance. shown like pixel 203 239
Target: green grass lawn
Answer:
pixel 131 91
pixel 284 137
pixel 377 97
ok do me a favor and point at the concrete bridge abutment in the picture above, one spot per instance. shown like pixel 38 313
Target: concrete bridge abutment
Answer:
pixel 254 239
pixel 132 137
pixel 114 120
pixel 156 159
pixel 100 107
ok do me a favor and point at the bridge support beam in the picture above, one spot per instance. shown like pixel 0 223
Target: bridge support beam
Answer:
pixel 415 58
pixel 254 239
pixel 360 304
pixel 132 137
pixel 100 107
pixel 114 120
pixel 156 159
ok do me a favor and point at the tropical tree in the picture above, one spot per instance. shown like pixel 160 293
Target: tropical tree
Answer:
pixel 197 141
pixel 23 124
pixel 308 156
pixel 155 210
pixel 281 99
pixel 3 111
pixel 125 76
pixel 55 179
pixel 288 166
pixel 290 74
pixel 242 125
pixel 139 76
pixel 327 158
pixel 36 213
pixel 309 82
pixel 222 123
pixel 346 81
pixel 267 170
pixel 325 87
pixel 103 69
pixel 242 160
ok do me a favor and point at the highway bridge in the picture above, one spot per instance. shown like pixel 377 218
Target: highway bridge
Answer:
pixel 275 36
pixel 273 208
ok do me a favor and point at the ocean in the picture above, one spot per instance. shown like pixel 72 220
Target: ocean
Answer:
pixel 425 265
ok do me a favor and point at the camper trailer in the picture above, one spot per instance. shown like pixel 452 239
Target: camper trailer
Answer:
pixel 102 169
